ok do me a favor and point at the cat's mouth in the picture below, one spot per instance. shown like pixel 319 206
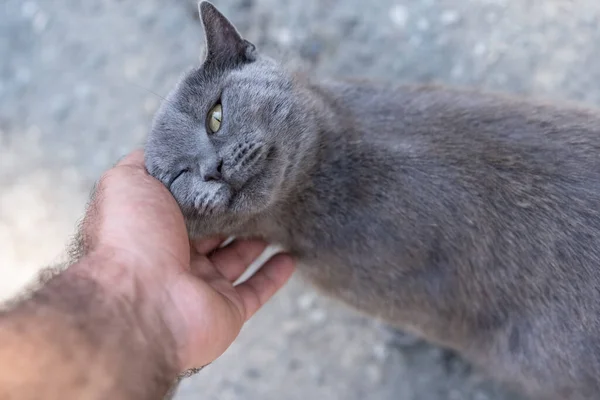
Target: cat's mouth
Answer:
pixel 213 201
pixel 199 198
pixel 176 176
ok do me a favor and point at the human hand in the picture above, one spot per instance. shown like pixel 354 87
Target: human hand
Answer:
pixel 135 223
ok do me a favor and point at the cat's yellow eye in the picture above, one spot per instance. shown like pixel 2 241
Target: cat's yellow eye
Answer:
pixel 215 115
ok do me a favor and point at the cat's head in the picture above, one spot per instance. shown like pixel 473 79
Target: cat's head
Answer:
pixel 225 138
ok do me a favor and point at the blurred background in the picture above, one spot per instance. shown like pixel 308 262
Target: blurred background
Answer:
pixel 76 92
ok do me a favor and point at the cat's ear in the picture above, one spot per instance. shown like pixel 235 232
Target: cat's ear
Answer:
pixel 223 42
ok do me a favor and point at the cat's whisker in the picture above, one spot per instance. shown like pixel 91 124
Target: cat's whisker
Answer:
pixel 152 92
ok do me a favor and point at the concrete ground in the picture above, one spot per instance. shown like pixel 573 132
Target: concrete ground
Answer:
pixel 76 92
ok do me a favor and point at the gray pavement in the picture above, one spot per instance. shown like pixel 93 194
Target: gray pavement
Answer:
pixel 76 83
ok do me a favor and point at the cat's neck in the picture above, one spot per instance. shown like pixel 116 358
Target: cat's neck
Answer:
pixel 322 160
pixel 329 140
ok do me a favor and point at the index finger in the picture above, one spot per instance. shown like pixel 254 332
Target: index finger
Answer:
pixel 205 246
pixel 133 159
pixel 256 291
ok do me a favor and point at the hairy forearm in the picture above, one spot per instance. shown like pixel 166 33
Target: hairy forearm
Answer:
pixel 75 339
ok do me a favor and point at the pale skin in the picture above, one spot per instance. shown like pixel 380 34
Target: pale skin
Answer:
pixel 142 306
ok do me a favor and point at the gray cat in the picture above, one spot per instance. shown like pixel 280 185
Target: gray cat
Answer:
pixel 470 219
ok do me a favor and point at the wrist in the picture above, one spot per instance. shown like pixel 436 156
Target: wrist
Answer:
pixel 133 304
pixel 114 271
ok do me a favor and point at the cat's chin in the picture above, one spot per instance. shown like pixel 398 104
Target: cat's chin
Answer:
pixel 221 224
pixel 212 201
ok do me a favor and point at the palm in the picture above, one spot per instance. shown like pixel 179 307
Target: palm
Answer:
pixel 213 310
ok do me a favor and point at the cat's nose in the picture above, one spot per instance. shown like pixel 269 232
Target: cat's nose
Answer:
pixel 212 172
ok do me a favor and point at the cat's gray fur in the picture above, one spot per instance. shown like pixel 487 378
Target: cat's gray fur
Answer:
pixel 471 219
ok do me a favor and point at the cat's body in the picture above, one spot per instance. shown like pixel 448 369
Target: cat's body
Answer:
pixel 470 219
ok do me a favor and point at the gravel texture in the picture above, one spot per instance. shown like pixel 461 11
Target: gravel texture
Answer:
pixel 77 84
